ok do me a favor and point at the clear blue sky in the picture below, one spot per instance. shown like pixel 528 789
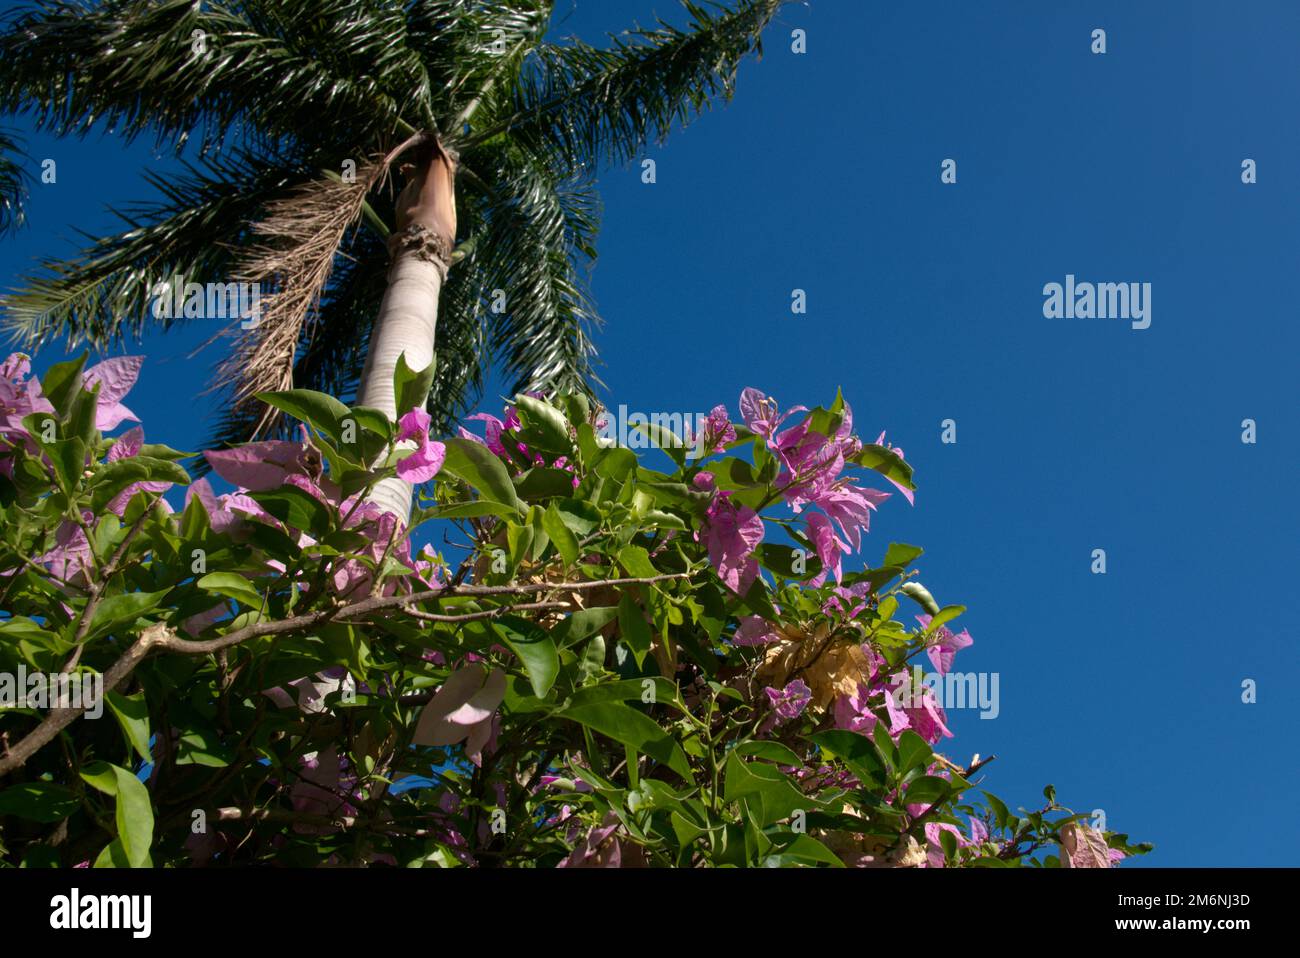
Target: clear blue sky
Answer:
pixel 925 303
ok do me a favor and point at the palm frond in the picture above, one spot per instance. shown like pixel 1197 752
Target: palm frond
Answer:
pixel 13 184
pixel 537 239
pixel 469 44
pixel 310 69
pixel 331 352
pixel 586 104
pixel 292 255
pixel 105 293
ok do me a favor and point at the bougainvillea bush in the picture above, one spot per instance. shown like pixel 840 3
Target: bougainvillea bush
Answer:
pixel 619 665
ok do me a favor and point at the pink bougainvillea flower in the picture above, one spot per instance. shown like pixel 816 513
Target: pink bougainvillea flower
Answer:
pixel 828 547
pixel 493 439
pixel 810 464
pixel 913 705
pixel 115 377
pixel 732 533
pixel 930 721
pixel 70 558
pixel 754 630
pixel 226 512
pixel 19 397
pixel 423 464
pixel 760 413
pixel 601 848
pixel 944 645
pixel 853 713
pixel 320 789
pixel 312 690
pixel 847 602
pixel 789 702
pixel 716 431
pixel 850 507
pixel 934 857
pixel 259 466
pixel 1083 846
pixel 898 719
pixel 462 710
pixel 494 427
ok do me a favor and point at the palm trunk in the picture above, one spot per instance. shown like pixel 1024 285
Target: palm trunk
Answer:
pixel 408 316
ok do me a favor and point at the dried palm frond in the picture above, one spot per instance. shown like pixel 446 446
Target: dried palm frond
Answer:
pixel 299 239
pixel 303 233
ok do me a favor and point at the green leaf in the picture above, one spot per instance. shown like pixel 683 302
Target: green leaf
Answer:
pixel 636 561
pixel 593 658
pixel 781 560
pixel 658 519
pixel 477 465
pixel 543 482
pixel 856 751
pixel 232 585
pixel 119 611
pixel 583 623
pixel 132 713
pixel 544 428
pixel 777 797
pixel 928 790
pixel 633 628
pixel 42 802
pixel 769 751
pixel 410 388
pixel 615 464
pixel 913 752
pixel 60 382
pixel 113 856
pixel 582 518
pixel 201 746
pixel 473 509
pixel 1002 816
pixel 886 462
pixel 68 456
pixel 802 848
pixel 134 814
pixel 116 476
pixel 663 438
pixel 296 508
pixel 628 726
pixel 901 554
pixel 376 432
pixel 627 690
pixel 317 409
pixel 944 615
pixel 536 650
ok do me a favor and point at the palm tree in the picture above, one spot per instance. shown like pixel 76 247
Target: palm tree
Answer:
pixel 299 110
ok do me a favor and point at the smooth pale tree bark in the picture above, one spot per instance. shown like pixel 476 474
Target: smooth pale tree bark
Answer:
pixel 408 316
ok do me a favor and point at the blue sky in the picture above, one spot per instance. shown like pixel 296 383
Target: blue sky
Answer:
pixel 925 303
